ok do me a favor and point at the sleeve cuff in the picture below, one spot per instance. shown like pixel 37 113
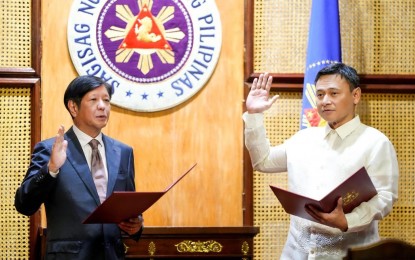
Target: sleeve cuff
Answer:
pixel 352 221
pixel 53 174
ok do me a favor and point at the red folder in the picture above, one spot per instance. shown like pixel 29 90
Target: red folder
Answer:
pixel 122 205
pixel 356 189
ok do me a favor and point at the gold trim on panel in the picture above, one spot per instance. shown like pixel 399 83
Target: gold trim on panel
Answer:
pixel 245 248
pixel 125 248
pixel 188 246
pixel 151 248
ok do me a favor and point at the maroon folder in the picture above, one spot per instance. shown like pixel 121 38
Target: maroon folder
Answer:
pixel 122 205
pixel 356 189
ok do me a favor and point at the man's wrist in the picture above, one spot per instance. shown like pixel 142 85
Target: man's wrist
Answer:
pixel 53 172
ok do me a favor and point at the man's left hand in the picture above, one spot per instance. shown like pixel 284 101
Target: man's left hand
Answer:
pixel 336 218
pixel 132 226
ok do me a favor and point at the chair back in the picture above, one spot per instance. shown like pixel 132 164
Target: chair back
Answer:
pixel 385 249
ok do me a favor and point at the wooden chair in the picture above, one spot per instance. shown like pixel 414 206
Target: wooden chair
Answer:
pixel 385 249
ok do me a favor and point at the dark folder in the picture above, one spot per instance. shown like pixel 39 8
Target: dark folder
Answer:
pixel 122 205
pixel 356 189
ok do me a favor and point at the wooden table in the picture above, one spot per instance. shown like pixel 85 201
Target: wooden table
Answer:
pixel 192 242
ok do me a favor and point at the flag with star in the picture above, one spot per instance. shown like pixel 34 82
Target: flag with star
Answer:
pixel 324 48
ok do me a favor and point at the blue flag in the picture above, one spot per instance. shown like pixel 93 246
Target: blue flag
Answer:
pixel 324 48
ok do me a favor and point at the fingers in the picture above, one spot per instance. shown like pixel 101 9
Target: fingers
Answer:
pixel 61 130
pixel 261 81
pixel 258 99
pixel 340 204
pixel 254 84
pixel 132 226
pixel 335 219
pixel 264 81
pixel 60 134
pixel 273 99
pixel 58 153
pixel 139 219
pixel 60 143
pixel 268 83
pixel 312 212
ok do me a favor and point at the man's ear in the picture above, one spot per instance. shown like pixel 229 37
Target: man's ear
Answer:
pixel 73 108
pixel 357 93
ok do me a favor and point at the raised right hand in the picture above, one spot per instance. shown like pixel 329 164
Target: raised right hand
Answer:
pixel 258 99
pixel 58 154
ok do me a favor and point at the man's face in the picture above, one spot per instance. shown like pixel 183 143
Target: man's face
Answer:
pixel 335 102
pixel 93 113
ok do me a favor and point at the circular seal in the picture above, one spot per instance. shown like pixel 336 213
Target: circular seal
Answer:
pixel 155 54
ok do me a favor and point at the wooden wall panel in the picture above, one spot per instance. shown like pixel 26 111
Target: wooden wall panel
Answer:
pixel 206 129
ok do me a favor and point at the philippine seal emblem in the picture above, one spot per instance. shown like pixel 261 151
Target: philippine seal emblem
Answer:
pixel 155 53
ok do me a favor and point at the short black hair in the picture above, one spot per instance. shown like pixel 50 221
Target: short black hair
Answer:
pixel 81 85
pixel 345 72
